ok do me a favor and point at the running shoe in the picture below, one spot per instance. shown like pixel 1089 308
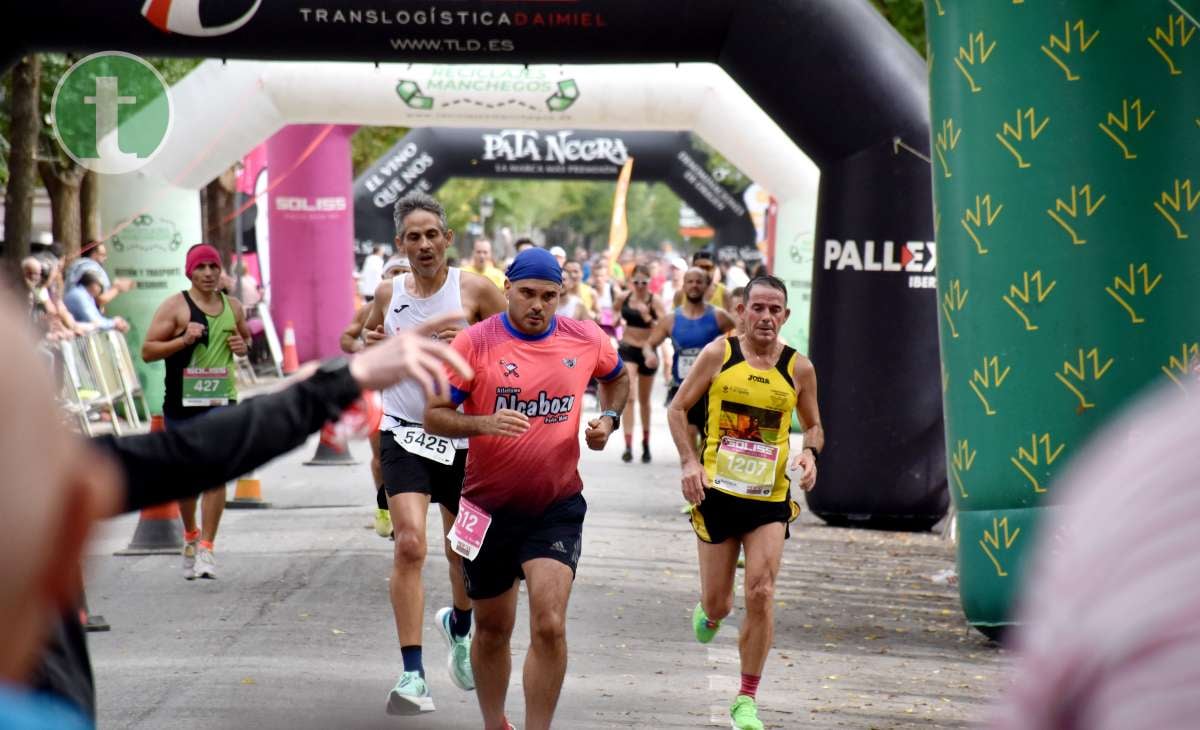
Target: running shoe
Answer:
pixel 704 632
pixel 410 696
pixel 458 662
pixel 189 560
pixel 206 564
pixel 383 523
pixel 628 455
pixel 646 453
pixel 743 714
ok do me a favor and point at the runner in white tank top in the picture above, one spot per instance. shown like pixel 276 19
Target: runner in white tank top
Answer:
pixel 419 468
pixel 406 311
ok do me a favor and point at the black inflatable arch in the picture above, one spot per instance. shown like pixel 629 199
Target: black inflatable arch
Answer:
pixel 834 75
pixel 426 158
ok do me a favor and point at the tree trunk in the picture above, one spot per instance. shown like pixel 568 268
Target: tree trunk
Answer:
pixel 218 202
pixel 89 207
pixel 62 182
pixel 22 170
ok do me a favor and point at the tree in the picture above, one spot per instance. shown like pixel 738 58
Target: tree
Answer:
pixel 907 17
pixel 22 172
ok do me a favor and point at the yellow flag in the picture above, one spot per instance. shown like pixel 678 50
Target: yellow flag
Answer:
pixel 618 231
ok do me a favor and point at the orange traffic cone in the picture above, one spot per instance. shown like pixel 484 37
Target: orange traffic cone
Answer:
pixel 291 359
pixel 159 530
pixel 332 450
pixel 247 494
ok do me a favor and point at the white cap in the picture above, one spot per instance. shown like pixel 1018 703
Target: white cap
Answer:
pixel 678 263
pixel 396 262
pixel 558 251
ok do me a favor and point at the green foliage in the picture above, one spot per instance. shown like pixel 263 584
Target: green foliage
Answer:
pixel 569 214
pixel 370 143
pixel 908 17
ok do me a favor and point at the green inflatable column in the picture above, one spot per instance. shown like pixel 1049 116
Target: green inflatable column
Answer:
pixel 1066 158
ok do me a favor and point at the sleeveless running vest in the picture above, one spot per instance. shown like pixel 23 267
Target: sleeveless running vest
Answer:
pixel 209 352
pixel 746 432
pixel 689 336
pixel 407 400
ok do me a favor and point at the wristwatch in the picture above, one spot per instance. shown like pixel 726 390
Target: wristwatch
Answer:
pixel 616 418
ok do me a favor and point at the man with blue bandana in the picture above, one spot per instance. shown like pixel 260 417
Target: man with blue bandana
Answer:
pixel 522 508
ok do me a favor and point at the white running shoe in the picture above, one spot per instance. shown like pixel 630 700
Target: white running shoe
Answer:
pixel 410 696
pixel 206 565
pixel 458 660
pixel 189 560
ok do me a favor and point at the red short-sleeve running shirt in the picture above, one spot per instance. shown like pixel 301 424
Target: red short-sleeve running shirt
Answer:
pixel 544 377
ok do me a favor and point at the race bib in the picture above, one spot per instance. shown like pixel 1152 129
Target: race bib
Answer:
pixel 687 358
pixel 207 387
pixel 414 440
pixel 746 467
pixel 469 528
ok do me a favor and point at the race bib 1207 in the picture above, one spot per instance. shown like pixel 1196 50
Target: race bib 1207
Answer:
pixel 746 467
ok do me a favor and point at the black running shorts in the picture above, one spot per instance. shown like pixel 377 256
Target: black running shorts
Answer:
pixel 405 472
pixel 722 516
pixel 514 539
pixel 634 354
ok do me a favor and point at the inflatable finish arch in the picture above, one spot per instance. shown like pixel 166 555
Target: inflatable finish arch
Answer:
pixel 838 79
pixel 426 158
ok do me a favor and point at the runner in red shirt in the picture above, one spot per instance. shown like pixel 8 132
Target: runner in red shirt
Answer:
pixel 521 512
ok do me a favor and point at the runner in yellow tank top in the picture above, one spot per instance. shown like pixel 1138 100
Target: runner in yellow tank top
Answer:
pixel 738 486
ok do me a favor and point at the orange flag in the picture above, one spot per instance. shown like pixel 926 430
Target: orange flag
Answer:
pixel 618 231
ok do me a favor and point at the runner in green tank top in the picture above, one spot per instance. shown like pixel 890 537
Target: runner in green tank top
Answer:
pixel 198 332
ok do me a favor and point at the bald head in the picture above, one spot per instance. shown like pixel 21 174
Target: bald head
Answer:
pixel 695 284
pixel 47 500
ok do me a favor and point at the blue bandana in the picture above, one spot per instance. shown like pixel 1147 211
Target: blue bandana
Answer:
pixel 535 263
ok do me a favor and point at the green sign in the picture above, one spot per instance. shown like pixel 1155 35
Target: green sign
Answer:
pixel 111 112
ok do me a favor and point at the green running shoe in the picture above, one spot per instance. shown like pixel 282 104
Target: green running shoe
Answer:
pixel 743 714
pixel 704 633
pixel 410 696
pixel 458 663
pixel 383 523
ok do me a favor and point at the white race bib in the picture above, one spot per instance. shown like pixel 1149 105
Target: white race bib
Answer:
pixel 469 528
pixel 686 361
pixel 746 467
pixel 414 440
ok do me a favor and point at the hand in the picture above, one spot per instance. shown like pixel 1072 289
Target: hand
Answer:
pixel 123 285
pixel 693 482
pixel 597 432
pixel 447 334
pixel 806 466
pixel 505 422
pixel 411 355
pixel 120 325
pixel 192 333
pixel 651 358
pixel 237 345
pixel 374 337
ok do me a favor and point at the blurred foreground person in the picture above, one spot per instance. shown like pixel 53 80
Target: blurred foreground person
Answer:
pixel 43 531
pixel 1109 631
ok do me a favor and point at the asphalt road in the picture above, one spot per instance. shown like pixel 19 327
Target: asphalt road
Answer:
pixel 297 631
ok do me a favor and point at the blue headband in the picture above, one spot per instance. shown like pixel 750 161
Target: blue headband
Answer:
pixel 535 263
